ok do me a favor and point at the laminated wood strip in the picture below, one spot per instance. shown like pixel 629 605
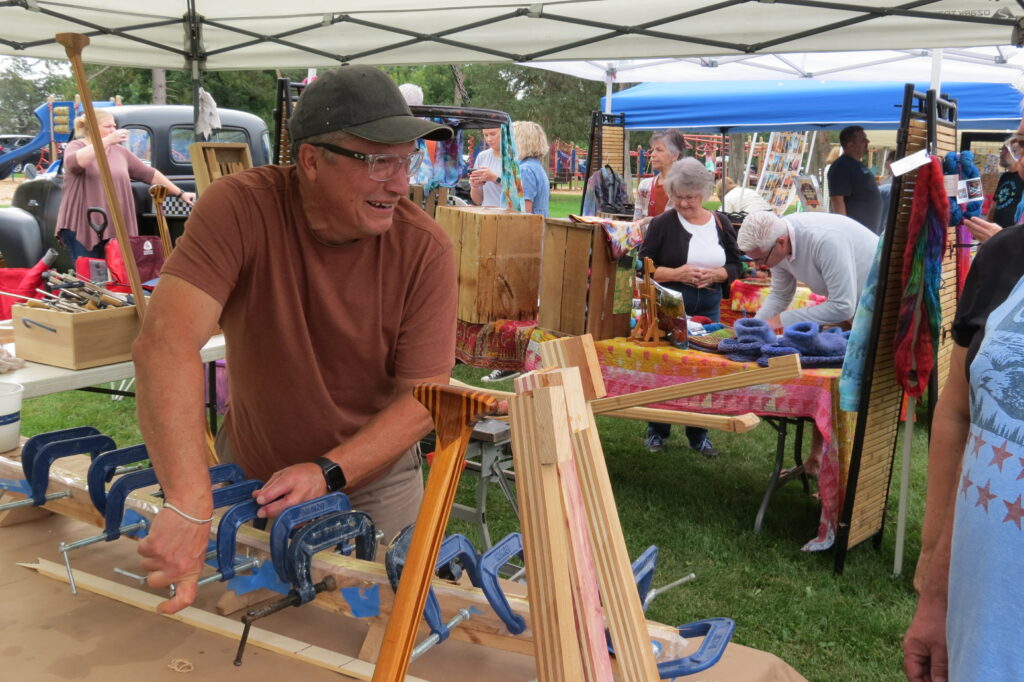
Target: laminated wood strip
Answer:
pixel 453 410
pixel 545 546
pixel 619 595
pixel 779 369
pixel 553 424
pixel 578 352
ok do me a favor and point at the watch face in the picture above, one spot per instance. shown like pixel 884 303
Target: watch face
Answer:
pixel 333 474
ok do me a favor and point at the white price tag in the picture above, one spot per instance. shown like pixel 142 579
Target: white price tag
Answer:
pixel 909 163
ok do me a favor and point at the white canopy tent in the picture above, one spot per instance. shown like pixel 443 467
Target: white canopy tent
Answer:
pixel 226 34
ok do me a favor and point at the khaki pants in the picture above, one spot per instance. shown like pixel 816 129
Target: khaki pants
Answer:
pixel 392 500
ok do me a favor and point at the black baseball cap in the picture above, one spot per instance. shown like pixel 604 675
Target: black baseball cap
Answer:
pixel 363 101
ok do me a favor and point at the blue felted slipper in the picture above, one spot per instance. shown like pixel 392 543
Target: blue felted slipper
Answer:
pixel 741 347
pixel 807 338
pixel 752 329
pixel 775 350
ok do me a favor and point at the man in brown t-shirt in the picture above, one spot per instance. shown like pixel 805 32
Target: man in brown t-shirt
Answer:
pixel 336 295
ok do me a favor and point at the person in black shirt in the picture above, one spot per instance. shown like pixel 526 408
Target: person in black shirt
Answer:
pixel 1007 196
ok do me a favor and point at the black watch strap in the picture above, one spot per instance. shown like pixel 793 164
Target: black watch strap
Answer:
pixel 333 475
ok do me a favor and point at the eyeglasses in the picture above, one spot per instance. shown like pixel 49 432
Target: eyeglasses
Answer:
pixel 381 167
pixel 690 199
pixel 1011 149
pixel 764 260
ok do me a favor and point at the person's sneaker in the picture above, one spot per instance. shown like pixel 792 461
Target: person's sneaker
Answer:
pixel 500 375
pixel 706 448
pixel 654 443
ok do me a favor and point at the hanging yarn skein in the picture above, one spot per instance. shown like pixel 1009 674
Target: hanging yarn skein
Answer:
pixel 920 316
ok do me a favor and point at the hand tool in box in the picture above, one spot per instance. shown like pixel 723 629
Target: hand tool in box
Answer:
pixel 331 525
pixel 40 451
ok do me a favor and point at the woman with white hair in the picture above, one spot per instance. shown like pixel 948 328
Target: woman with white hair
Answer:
pixel 694 252
pixel 532 145
pixel 666 148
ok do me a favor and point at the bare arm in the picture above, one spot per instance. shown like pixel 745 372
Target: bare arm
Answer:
pixel 924 645
pixel 87 154
pixel 172 189
pixel 838 204
pixel 363 457
pixel 169 371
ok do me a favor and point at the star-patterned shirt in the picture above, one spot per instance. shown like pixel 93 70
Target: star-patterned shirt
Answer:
pixel 985 618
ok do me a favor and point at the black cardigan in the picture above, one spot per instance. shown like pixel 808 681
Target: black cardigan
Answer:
pixel 668 244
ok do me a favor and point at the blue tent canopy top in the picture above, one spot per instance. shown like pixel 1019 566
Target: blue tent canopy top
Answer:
pixel 759 106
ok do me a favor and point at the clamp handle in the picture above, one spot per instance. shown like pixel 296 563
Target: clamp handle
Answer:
pixel 643 572
pixel 291 517
pixel 492 560
pixel 39 462
pixel 335 530
pixel 716 632
pixel 227 534
pixel 102 469
pixel 116 496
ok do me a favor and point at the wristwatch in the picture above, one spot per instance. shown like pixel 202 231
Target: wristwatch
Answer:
pixel 333 475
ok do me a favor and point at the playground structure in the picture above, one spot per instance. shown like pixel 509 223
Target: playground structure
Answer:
pixel 56 128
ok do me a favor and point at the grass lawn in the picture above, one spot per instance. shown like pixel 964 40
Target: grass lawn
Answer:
pixel 700 513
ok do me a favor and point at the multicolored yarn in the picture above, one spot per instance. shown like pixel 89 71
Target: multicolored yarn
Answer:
pixel 920 315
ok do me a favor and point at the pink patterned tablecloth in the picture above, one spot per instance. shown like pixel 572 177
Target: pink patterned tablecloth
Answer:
pixel 628 368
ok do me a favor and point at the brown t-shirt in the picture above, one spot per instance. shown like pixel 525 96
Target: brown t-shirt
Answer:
pixel 83 189
pixel 316 335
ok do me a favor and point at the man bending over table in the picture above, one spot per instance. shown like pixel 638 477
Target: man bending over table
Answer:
pixel 829 253
pixel 336 296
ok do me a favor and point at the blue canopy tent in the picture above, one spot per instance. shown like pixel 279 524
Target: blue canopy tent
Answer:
pixel 760 106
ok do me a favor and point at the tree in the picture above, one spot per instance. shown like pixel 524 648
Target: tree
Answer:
pixel 24 86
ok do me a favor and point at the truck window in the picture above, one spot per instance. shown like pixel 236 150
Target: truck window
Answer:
pixel 140 143
pixel 183 136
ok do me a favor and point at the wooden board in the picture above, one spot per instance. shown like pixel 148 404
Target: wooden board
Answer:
pixel 498 260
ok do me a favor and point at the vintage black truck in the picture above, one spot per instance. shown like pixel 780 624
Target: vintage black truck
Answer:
pixel 159 135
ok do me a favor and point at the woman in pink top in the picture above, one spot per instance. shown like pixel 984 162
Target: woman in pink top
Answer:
pixel 83 188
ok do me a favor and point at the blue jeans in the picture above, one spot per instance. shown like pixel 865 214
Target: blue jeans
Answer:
pixel 77 250
pixel 706 302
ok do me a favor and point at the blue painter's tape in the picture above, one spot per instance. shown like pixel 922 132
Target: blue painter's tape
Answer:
pixel 16 485
pixel 266 577
pixel 6 419
pixel 131 516
pixel 365 603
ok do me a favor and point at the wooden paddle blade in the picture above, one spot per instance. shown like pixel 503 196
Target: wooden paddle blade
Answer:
pixel 73 43
pixel 453 408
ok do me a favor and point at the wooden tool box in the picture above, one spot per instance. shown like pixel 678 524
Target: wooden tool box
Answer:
pixel 497 253
pixel 74 340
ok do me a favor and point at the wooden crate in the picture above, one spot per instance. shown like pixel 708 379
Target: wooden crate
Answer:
pixel 497 253
pixel 577 290
pixel 74 340
pixel 212 160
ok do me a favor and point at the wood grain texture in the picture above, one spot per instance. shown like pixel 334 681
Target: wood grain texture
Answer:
pixel 348 666
pixel 454 410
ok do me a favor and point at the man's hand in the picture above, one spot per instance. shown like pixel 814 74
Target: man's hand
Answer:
pixel 774 322
pixel 289 486
pixel 173 553
pixel 981 229
pixel 924 645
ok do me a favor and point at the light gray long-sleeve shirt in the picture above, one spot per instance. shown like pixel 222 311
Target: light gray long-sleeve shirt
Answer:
pixel 832 255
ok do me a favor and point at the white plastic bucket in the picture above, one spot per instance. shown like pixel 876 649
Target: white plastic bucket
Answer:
pixel 10 415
